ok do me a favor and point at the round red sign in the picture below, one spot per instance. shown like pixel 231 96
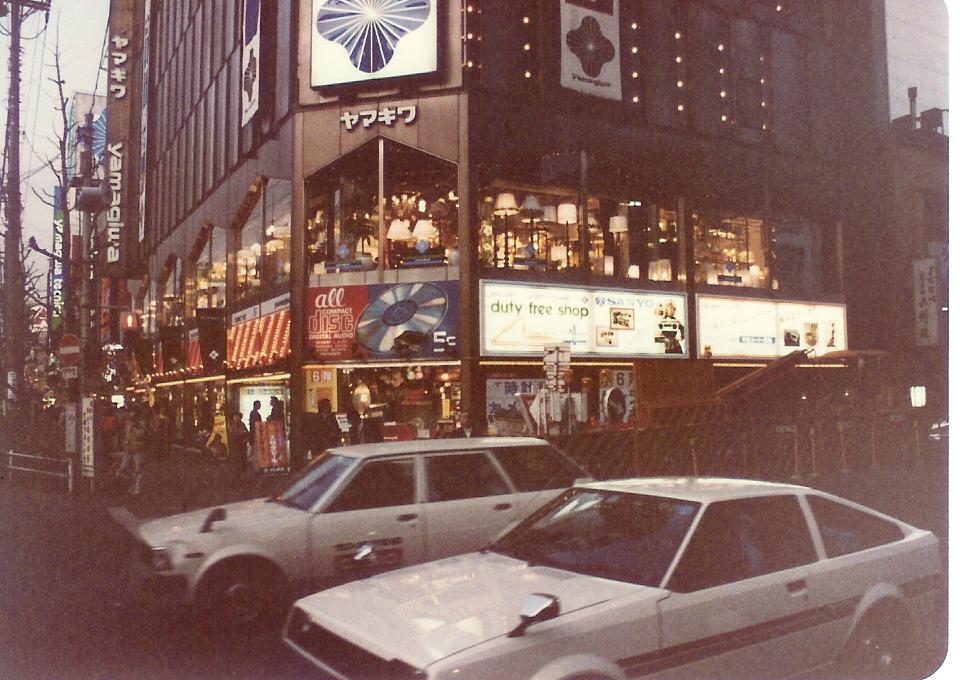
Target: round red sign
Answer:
pixel 69 350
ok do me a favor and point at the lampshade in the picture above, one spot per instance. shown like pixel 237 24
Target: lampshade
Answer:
pixel 549 213
pixel 244 254
pixel 531 208
pixel 558 253
pixel 505 205
pixel 566 213
pixel 399 231
pixel 618 224
pixel 591 221
pixel 424 230
pixel 633 271
pixel 256 249
pixel 608 265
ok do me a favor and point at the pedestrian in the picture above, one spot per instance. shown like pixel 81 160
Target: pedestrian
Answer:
pixel 324 429
pixel 277 410
pixel 254 416
pixel 238 440
pixel 135 441
pixel 465 427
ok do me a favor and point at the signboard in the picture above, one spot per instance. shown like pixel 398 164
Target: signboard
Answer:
pixel 69 351
pixel 518 319
pixel 70 428
pixel 70 372
pixel 502 407
pixel 57 275
pixel 358 42
pixel 745 328
pixel 87 437
pixel 411 320
pixel 250 60
pixel 925 273
pixel 590 47
pixel 386 115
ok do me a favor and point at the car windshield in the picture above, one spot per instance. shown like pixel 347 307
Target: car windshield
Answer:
pixel 621 536
pixel 320 475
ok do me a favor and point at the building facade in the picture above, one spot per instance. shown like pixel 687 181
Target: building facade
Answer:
pixel 399 210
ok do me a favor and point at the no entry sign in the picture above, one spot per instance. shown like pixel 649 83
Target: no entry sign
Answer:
pixel 69 350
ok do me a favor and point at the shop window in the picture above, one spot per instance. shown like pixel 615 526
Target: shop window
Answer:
pixel 419 220
pixel 379 484
pixel 211 271
pixel 730 250
pixel 466 475
pixel 263 258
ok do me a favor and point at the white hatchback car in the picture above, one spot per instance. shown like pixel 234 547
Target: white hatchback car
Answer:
pixel 660 578
pixel 354 511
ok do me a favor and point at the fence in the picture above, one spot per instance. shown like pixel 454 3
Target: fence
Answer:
pixel 771 450
pixel 42 465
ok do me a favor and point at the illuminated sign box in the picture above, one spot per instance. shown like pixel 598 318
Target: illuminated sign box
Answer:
pixel 745 328
pixel 518 319
pixel 357 42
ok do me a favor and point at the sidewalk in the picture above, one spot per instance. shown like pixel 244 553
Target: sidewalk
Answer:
pixel 175 482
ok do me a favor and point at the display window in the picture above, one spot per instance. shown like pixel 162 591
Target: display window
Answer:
pixel 730 250
pixel 211 271
pixel 264 408
pixel 263 253
pixel 417 227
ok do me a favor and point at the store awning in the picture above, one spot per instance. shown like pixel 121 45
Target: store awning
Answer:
pixel 261 341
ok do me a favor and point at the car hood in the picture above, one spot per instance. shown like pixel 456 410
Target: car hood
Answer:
pixel 186 526
pixel 427 612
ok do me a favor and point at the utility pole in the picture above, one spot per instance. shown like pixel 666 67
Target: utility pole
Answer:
pixel 84 139
pixel 16 312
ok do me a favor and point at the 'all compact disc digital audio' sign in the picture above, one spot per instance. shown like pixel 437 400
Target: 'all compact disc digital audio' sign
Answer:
pixel 355 41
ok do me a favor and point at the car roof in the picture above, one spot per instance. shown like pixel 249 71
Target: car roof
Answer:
pixel 434 445
pixel 699 489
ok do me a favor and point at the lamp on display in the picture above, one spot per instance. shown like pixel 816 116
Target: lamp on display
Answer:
pixel 398 231
pixel 424 233
pixel 505 208
pixel 532 212
pixel 618 227
pixel 566 215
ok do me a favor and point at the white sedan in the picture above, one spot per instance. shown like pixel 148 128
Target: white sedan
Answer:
pixel 354 511
pixel 659 578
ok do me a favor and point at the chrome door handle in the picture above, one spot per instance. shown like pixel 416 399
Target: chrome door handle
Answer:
pixel 408 517
pixel 502 506
pixel 796 587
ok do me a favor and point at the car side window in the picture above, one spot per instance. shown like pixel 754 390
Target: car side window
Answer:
pixel 378 484
pixel 846 530
pixel 534 468
pixel 743 538
pixel 463 475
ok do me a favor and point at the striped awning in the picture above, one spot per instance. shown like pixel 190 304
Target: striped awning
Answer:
pixel 260 341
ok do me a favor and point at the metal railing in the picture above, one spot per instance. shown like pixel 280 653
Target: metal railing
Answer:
pixel 41 465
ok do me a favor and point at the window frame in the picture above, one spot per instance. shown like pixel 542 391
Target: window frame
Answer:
pixel 855 508
pixel 485 454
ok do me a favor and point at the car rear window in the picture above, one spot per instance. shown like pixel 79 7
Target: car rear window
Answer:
pixel 534 468
pixel 845 529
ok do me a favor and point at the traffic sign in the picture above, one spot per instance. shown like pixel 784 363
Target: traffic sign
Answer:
pixel 69 351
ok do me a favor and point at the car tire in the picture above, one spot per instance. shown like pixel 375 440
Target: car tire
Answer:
pixel 243 596
pixel 879 647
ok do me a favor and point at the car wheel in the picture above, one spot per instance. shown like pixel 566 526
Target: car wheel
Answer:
pixel 243 596
pixel 878 648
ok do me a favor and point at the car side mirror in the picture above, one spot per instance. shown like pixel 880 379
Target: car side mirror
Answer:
pixel 538 607
pixel 216 515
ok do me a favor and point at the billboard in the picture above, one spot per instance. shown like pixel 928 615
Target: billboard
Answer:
pixel 384 321
pixel 745 328
pixel 590 47
pixel 250 60
pixel 356 42
pixel 518 319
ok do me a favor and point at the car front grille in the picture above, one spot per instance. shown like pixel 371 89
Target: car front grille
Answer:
pixel 340 655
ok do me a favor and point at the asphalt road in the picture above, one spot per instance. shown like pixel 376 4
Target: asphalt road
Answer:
pixel 61 599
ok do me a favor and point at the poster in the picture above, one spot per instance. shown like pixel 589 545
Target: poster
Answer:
pixel 355 42
pixel 744 328
pixel 251 61
pixel 405 320
pixel 519 319
pixel 270 446
pixel 503 416
pixel 590 47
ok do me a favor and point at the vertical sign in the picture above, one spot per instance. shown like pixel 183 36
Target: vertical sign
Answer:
pixel 926 302
pixel 590 47
pixel 145 97
pixel 87 437
pixel 57 279
pixel 70 428
pixel 250 61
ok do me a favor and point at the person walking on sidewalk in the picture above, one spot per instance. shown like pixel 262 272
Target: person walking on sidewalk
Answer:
pixel 238 440
pixel 135 441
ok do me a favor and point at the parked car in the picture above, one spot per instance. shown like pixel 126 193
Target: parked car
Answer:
pixel 352 512
pixel 671 578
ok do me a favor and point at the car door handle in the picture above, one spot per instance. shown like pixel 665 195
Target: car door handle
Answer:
pixel 407 517
pixel 797 587
pixel 502 506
